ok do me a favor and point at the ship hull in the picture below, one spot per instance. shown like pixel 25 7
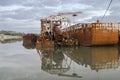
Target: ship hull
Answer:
pixel 94 34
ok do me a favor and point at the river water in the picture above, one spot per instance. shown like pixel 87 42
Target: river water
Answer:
pixel 18 62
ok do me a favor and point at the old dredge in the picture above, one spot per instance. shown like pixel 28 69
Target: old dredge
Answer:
pixel 56 30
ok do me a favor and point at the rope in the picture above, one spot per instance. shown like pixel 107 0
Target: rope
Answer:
pixel 106 10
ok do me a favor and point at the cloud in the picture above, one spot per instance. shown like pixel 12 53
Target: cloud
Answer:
pixel 24 13
pixel 91 14
pixel 13 7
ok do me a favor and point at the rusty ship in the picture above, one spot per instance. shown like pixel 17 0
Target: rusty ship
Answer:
pixel 56 30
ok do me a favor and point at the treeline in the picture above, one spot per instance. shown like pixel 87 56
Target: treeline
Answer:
pixel 13 33
pixel 10 40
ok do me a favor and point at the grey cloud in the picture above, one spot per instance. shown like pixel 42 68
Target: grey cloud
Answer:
pixel 11 2
pixel 33 10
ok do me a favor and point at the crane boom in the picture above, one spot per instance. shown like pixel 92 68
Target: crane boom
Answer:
pixel 66 13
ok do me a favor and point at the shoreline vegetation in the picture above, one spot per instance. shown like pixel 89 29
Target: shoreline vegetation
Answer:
pixel 10 36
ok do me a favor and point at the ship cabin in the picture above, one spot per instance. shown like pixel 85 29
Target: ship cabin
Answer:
pixel 51 33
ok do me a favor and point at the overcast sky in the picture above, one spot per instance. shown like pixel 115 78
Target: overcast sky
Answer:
pixel 25 15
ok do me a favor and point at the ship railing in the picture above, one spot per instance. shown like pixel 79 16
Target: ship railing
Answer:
pixel 77 26
pixel 106 26
pixel 100 26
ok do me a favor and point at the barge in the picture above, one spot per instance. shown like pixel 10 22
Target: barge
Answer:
pixel 56 30
pixel 93 34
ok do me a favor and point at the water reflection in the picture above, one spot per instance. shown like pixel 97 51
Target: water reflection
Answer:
pixel 55 60
pixel 96 57
pixel 92 63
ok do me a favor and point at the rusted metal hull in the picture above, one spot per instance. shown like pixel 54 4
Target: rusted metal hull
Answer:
pixel 29 41
pixel 82 34
pixel 98 37
pixel 104 37
pixel 94 34
pixel 45 44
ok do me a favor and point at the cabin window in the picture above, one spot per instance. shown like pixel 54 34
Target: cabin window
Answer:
pixel 48 22
pixel 48 28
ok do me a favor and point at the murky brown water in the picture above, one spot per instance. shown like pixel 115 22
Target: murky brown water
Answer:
pixel 18 62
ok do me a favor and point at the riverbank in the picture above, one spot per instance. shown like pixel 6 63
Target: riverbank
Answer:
pixel 10 36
